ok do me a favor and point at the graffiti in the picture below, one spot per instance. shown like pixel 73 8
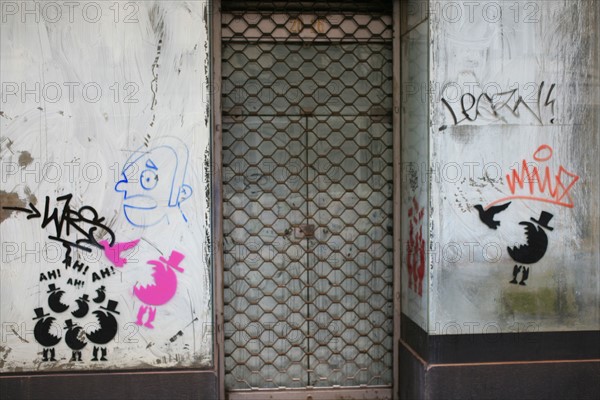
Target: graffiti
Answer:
pixel 54 300
pixel 163 288
pixel 530 252
pixel 493 107
pixel 113 253
pixel 78 283
pixel 73 339
pixel 49 275
pixel 100 295
pixel 180 332
pixel 82 307
pixel 529 184
pixel 76 228
pixel 487 216
pixel 516 270
pixel 73 228
pixel 415 251
pixel 154 181
pixel 48 333
pixel 104 273
pixel 43 335
pixel 107 329
pixel 79 266
pixel 535 248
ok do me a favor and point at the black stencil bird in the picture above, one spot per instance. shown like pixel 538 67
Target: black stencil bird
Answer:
pixel 107 329
pixel 73 339
pixel 54 300
pixel 82 307
pixel 487 216
pixel 525 276
pixel 100 295
pixel 516 270
pixel 537 241
pixel 41 333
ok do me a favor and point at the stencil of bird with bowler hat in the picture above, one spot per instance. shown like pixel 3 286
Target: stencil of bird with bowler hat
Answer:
pixel 100 295
pixel 73 339
pixel 107 328
pixel 82 307
pixel 42 334
pixel 54 300
pixel 535 248
pixel 163 288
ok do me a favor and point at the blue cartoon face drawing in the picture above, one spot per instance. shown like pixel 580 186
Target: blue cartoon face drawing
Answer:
pixel 153 182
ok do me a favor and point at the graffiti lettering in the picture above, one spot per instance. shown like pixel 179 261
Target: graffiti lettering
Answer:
pixel 50 275
pixel 75 282
pixel 82 223
pixel 529 184
pixel 501 106
pixel 104 273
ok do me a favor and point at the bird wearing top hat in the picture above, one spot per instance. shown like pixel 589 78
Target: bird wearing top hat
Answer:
pixel 536 246
pixel 82 307
pixel 54 300
pixel 41 333
pixel 73 339
pixel 107 328
pixel 163 288
pixel 100 294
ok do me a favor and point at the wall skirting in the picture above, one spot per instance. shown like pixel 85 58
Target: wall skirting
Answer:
pixel 541 365
pixel 171 385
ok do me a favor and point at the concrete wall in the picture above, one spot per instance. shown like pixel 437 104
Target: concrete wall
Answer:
pixel 105 218
pixel 514 101
pixel 415 160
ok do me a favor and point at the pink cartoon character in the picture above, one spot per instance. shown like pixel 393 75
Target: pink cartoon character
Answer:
pixel 163 288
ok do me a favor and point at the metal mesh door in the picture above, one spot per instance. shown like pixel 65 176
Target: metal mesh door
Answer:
pixel 307 199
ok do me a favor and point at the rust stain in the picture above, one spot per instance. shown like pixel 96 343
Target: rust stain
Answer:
pixel 25 159
pixel 9 199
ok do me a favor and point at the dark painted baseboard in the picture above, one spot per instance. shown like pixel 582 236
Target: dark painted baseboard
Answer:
pixel 541 365
pixel 174 385
pixel 524 346
pixel 535 380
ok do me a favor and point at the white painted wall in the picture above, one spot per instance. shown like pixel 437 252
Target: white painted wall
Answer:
pixel 415 153
pixel 493 47
pixel 86 86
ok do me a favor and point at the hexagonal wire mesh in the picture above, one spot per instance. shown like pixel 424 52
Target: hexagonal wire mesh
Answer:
pixel 307 152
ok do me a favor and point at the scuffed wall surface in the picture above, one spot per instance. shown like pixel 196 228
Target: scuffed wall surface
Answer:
pixel 415 195
pixel 105 219
pixel 514 111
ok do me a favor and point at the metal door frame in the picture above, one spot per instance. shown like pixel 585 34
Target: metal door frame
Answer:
pixel 217 224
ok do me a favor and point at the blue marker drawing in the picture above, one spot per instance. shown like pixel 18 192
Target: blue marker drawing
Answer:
pixel 153 180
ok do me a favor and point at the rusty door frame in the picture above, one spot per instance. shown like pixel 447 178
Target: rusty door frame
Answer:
pixel 217 221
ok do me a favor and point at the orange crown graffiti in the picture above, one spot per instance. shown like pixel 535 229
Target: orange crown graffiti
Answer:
pixel 533 183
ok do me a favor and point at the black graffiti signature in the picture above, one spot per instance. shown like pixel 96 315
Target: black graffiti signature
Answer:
pixel 472 107
pixel 84 223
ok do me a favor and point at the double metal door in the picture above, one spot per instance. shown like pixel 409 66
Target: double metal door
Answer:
pixel 307 153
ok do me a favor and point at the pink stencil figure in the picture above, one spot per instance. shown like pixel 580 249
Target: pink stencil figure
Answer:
pixel 163 288
pixel 113 253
